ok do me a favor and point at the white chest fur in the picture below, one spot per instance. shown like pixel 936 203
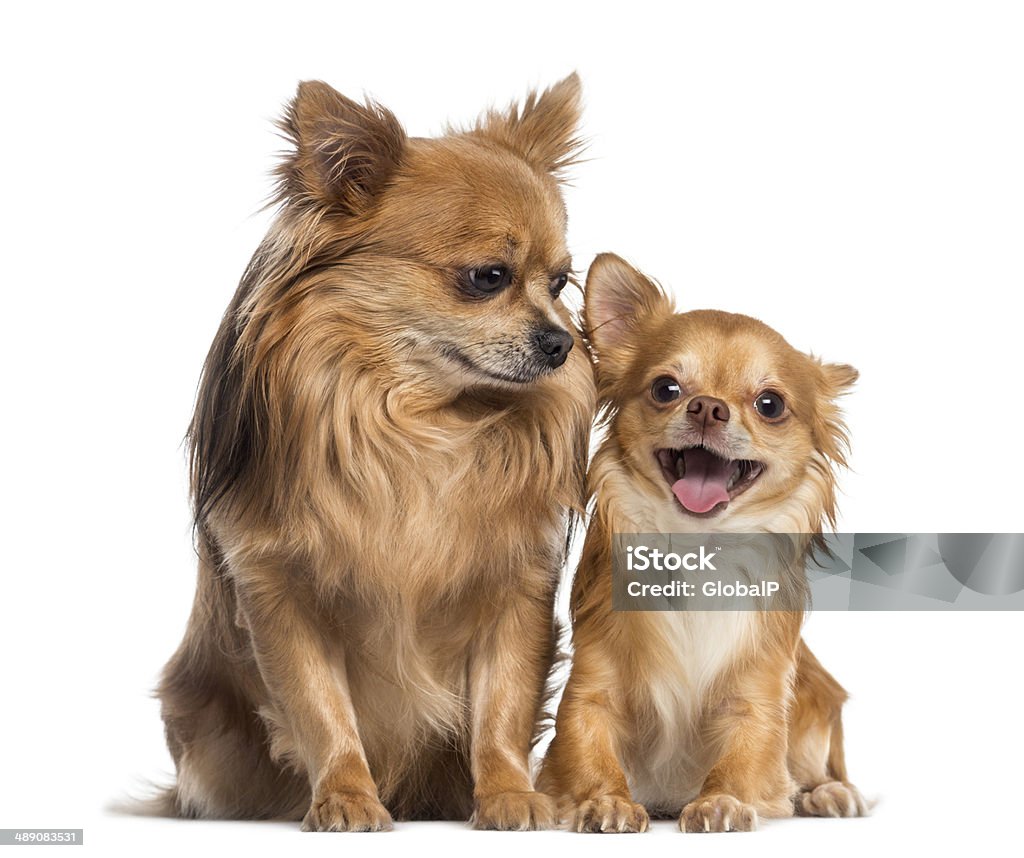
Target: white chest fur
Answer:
pixel 668 764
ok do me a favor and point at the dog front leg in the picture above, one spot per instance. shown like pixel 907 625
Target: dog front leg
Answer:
pixel 582 766
pixel 507 676
pixel 308 685
pixel 750 776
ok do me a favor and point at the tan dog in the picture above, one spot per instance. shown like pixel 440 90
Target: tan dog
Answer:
pixel 389 439
pixel 716 424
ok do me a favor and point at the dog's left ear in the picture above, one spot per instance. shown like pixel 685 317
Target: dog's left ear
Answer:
pixel 834 380
pixel 838 378
pixel 544 130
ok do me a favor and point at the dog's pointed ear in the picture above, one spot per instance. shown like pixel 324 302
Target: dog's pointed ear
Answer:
pixel 544 130
pixel 344 151
pixel 834 380
pixel 618 299
pixel 838 378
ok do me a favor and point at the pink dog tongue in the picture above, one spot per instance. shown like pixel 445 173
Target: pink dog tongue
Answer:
pixel 703 484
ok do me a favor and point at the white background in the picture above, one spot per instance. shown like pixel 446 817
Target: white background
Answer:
pixel 851 173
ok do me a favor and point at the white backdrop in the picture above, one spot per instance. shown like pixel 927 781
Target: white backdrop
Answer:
pixel 850 173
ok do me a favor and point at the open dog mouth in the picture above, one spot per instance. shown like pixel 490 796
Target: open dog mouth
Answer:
pixel 703 481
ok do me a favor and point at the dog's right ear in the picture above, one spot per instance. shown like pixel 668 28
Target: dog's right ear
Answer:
pixel 618 298
pixel 344 151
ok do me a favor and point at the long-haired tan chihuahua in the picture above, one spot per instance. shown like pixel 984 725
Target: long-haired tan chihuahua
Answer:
pixel 389 440
pixel 716 424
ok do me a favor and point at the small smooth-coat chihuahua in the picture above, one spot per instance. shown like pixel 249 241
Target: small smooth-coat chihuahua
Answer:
pixel 716 424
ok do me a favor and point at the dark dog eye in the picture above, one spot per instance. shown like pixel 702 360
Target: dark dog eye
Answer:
pixel 666 389
pixel 769 405
pixel 558 284
pixel 489 278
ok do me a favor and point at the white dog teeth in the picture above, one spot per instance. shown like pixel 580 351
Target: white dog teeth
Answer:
pixel 735 478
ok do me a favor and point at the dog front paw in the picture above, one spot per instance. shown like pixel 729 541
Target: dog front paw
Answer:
pixel 717 813
pixel 610 814
pixel 345 811
pixel 515 811
pixel 831 799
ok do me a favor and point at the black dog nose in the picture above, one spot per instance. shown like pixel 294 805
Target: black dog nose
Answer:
pixel 555 344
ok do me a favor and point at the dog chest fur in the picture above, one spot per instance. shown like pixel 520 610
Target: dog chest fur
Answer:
pixel 694 649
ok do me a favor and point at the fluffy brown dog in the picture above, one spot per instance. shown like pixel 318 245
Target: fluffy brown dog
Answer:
pixel 389 438
pixel 716 425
